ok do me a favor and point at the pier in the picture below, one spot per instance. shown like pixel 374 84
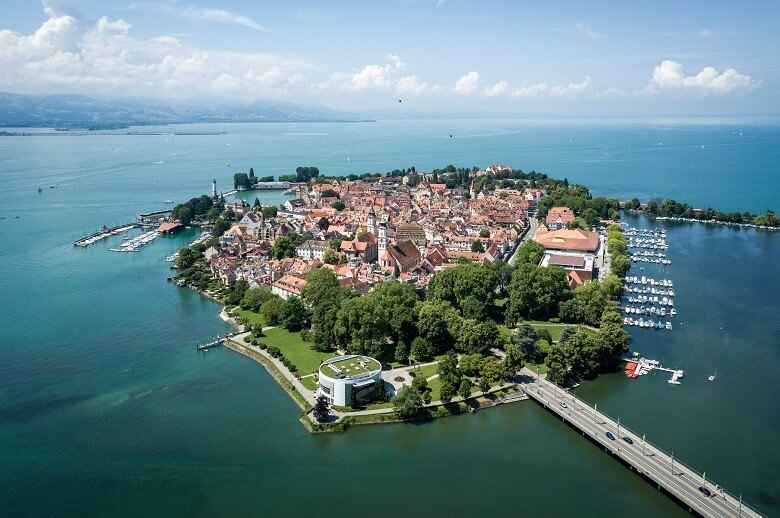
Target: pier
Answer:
pixel 104 233
pixel 208 345
pixel 663 470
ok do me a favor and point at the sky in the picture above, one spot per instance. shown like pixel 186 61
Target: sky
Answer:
pixel 639 58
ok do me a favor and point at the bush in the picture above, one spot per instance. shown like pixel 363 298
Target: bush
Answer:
pixel 306 335
pixel 555 320
pixel 248 340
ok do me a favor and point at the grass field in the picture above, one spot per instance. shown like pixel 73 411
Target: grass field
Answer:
pixel 425 372
pixel 250 316
pixel 296 350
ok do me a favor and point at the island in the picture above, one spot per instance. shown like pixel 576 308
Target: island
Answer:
pixel 412 295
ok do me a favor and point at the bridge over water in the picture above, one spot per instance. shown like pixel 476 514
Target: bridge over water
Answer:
pixel 652 463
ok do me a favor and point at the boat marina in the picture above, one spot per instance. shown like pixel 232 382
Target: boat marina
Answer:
pixel 134 244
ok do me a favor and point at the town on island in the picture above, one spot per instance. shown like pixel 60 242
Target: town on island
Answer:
pixel 409 296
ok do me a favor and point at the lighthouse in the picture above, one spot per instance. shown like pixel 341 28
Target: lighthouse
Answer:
pixel 214 189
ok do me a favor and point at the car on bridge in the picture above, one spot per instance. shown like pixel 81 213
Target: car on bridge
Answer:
pixel 610 436
pixel 705 491
pixel 563 404
pixel 628 439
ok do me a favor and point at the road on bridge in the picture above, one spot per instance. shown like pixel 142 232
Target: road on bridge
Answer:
pixel 667 472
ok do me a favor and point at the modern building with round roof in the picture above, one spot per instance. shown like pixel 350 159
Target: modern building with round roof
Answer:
pixel 343 376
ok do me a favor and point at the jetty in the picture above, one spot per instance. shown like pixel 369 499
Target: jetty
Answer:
pixel 103 233
pixel 208 345
pixel 640 366
pixel 663 470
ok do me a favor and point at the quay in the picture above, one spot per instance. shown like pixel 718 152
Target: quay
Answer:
pixel 104 233
pixel 678 480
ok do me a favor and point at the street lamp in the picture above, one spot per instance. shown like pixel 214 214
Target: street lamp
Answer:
pixel 643 445
pixel 672 463
pixel 595 406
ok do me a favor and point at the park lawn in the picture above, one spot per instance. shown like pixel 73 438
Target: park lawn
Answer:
pixel 296 350
pixel 425 372
pixel 310 382
pixel 435 386
pixel 256 319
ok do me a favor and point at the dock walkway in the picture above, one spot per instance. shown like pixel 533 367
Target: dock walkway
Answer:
pixel 654 464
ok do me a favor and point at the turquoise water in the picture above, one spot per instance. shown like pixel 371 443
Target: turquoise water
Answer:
pixel 106 408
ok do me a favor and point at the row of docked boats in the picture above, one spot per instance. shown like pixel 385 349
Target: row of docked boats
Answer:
pixel 649 290
pixel 647 324
pixel 647 281
pixel 645 259
pixel 133 244
pixel 644 232
pixel 651 310
pixel 651 300
pixel 652 243
pixel 103 233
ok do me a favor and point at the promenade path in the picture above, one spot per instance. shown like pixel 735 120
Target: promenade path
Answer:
pixel 656 465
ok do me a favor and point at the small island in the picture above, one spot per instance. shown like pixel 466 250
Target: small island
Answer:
pixel 439 287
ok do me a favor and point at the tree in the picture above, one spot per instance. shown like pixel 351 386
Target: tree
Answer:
pixel 319 286
pixel 421 384
pixel 478 337
pixel 186 258
pixel 320 410
pixel 449 375
pixel 453 285
pixel 271 309
pixel 256 206
pixel 323 223
pixel 530 252
pixel 329 257
pixel 294 315
pixel 270 211
pixel 484 385
pixel 491 369
pixel 557 365
pixel 401 353
pixel 254 298
pixel 535 292
pixel 241 181
pixel 514 358
pixel 476 247
pixel 470 363
pixel 432 326
pixel 464 390
pixel 612 286
pixel 484 233
pixel 421 350
pixel 407 402
pixel 338 205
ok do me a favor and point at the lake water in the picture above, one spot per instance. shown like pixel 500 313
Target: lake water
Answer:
pixel 106 408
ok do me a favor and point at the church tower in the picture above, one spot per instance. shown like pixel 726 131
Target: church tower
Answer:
pixel 382 240
pixel 371 221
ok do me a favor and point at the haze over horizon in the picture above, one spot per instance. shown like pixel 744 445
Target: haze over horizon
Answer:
pixel 572 59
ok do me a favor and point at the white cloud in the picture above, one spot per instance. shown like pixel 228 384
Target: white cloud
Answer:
pixel 207 14
pixel 69 54
pixel 587 31
pixel 571 89
pixel 669 76
pixel 371 77
pixel 410 85
pixel 468 84
pixel 704 33
pixel 498 89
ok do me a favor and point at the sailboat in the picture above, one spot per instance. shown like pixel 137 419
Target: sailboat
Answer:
pixel 712 377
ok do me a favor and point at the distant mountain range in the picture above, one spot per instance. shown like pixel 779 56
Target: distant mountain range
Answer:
pixel 75 111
